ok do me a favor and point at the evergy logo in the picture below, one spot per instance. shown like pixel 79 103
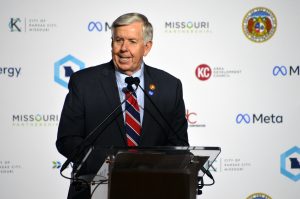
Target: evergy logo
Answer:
pixel 10 71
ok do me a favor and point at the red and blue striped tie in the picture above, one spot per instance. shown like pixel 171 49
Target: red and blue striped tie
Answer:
pixel 132 120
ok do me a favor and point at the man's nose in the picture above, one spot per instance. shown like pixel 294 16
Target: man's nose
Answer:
pixel 124 46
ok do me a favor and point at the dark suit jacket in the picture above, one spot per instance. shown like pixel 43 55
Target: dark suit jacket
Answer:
pixel 93 95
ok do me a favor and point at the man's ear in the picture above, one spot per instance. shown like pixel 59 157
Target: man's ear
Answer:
pixel 148 47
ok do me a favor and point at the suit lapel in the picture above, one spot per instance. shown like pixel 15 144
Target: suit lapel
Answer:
pixel 148 81
pixel 110 89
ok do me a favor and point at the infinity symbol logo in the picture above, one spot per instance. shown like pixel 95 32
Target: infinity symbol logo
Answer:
pixel 95 25
pixel 279 70
pixel 242 117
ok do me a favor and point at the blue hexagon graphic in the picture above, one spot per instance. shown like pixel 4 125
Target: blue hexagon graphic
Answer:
pixel 283 168
pixel 57 65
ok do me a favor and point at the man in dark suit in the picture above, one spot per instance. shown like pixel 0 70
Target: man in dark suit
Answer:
pixel 96 91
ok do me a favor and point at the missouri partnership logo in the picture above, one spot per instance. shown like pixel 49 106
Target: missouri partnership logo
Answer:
pixel 65 67
pixel 98 26
pixel 189 26
pixel 290 163
pixel 258 118
pixel 35 120
pixel 284 71
pixel 259 24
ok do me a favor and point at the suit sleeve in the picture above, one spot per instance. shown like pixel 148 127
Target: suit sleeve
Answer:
pixel 72 125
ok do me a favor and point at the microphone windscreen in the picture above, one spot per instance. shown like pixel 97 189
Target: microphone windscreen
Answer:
pixel 136 81
pixel 129 80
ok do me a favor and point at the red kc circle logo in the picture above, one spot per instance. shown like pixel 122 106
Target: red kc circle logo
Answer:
pixel 203 72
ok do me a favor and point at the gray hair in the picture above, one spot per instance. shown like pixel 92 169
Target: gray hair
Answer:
pixel 130 18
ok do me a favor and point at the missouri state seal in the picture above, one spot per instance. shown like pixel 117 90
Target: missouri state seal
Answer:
pixel 259 24
pixel 259 196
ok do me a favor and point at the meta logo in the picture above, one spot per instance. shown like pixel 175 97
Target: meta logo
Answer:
pixel 290 163
pixel 98 26
pixel 283 70
pixel 203 72
pixel 64 68
pixel 255 118
pixel 14 25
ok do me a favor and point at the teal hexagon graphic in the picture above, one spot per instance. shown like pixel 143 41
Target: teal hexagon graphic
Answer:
pixel 294 160
pixel 65 67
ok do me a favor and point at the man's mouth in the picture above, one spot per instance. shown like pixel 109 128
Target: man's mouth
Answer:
pixel 124 59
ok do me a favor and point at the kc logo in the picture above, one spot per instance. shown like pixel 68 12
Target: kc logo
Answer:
pixel 279 70
pixel 242 117
pixel 13 25
pixel 203 72
pixel 95 25
pixel 188 116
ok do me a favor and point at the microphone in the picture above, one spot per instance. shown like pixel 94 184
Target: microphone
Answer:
pixel 130 81
pixel 89 140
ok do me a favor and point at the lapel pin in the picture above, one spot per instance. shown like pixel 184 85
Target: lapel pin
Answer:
pixel 151 92
pixel 152 87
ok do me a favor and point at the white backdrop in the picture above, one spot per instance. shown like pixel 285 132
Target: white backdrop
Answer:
pixel 248 81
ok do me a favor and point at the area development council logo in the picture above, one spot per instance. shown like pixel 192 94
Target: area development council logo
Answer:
pixel 259 24
pixel 204 72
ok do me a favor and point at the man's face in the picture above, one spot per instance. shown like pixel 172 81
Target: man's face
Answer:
pixel 128 48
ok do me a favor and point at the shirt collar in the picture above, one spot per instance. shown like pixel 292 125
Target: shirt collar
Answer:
pixel 121 76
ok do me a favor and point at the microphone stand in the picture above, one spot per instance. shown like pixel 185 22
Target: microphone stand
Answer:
pixel 85 143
